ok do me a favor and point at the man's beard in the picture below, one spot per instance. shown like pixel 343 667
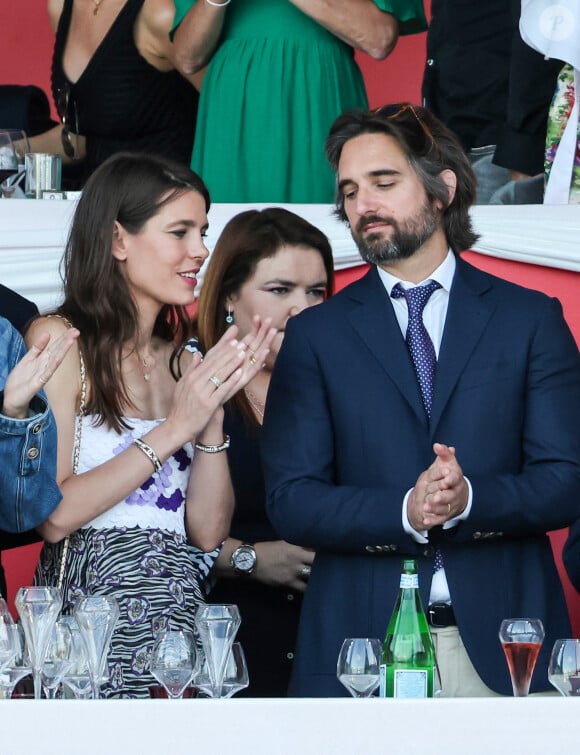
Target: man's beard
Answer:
pixel 404 241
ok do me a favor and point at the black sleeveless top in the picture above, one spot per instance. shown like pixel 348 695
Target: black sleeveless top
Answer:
pixel 123 102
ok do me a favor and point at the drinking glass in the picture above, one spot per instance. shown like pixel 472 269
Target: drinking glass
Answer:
pixel 77 677
pixel 7 646
pixel 521 640
pixel 173 660
pixel 358 664
pixel 236 677
pixel 564 667
pixel 58 659
pixel 217 625
pixel 13 145
pixel 38 608
pixel 11 674
pixel 96 616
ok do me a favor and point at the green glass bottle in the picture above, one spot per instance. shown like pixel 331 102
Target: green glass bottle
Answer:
pixel 408 664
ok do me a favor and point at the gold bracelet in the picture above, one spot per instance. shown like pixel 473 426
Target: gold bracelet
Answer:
pixel 149 453
pixel 214 449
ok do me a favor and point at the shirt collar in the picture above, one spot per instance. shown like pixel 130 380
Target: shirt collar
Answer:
pixel 442 274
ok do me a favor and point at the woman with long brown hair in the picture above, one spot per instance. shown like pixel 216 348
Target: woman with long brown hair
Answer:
pixel 140 422
pixel 269 263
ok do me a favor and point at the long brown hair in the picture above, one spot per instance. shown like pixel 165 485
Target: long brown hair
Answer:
pixel 130 189
pixel 247 239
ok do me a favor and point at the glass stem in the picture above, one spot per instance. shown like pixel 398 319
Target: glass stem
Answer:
pixel 37 685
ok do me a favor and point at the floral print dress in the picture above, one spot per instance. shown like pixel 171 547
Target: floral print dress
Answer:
pixel 136 551
pixel 558 116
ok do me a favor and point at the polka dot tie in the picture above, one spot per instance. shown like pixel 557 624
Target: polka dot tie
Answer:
pixel 422 352
pixel 419 344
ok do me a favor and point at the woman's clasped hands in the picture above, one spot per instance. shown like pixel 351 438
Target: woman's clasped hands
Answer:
pixel 209 382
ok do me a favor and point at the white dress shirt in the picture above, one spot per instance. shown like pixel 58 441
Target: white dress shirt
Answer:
pixel 434 315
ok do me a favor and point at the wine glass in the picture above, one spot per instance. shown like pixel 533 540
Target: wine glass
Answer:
pixel 58 658
pixel 38 608
pixel 564 667
pixel 236 677
pixel 96 616
pixel 173 660
pixel 217 625
pixel 358 664
pixel 13 146
pixel 521 640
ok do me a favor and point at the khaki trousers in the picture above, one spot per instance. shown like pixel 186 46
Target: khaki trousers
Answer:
pixel 458 676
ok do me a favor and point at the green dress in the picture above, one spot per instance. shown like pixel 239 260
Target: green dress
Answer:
pixel 272 89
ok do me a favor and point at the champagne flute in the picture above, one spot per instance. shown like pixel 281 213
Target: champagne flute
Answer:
pixel 521 640
pixel 58 659
pixel 564 667
pixel 7 647
pixel 173 660
pixel 358 664
pixel 12 674
pixel 38 608
pixel 217 625
pixel 77 677
pixel 96 616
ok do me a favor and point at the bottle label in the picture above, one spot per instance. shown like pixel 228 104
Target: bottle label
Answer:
pixel 409 580
pixel 410 683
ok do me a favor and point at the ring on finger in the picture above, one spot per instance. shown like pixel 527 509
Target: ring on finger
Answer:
pixel 253 359
pixel 44 380
pixel 215 380
pixel 305 572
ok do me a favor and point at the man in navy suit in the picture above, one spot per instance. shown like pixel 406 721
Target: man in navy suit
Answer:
pixel 368 462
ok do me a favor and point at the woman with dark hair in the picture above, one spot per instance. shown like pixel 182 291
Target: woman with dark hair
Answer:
pixel 270 263
pixel 131 407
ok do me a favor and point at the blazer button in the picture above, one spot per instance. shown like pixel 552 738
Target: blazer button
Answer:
pixel 476 535
pixel 32 453
pixel 429 551
pixel 37 428
pixel 370 548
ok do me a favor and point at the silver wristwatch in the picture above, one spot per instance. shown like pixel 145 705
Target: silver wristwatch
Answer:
pixel 243 559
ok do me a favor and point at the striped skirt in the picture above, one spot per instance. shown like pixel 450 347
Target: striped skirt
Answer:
pixel 156 578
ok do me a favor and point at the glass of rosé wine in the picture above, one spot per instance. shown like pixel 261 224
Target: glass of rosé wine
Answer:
pixel 521 640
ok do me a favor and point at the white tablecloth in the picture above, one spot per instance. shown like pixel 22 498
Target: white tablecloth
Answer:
pixel 33 234
pixel 490 726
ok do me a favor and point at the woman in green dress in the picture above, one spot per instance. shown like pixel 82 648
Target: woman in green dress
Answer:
pixel 279 73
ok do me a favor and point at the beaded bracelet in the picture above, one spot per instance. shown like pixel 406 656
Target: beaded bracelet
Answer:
pixel 149 453
pixel 214 449
pixel 218 5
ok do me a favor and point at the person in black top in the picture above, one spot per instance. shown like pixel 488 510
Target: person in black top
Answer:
pixel 115 85
pixel 492 90
pixel 271 263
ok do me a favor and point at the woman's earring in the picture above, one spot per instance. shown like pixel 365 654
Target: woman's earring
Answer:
pixel 229 316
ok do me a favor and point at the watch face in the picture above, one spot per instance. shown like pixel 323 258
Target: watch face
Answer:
pixel 244 559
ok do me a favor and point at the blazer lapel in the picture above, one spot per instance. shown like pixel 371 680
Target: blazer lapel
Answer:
pixel 468 313
pixel 372 317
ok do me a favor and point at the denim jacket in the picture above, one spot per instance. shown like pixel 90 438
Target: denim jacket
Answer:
pixel 28 489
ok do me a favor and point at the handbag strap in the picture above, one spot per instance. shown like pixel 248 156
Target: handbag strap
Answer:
pixel 77 448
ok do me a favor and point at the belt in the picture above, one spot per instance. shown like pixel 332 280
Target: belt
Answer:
pixel 440 615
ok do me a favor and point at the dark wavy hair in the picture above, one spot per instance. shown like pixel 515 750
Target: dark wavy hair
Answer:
pixel 430 148
pixel 247 239
pixel 130 189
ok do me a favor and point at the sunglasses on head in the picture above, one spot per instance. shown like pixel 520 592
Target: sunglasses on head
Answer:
pixel 400 111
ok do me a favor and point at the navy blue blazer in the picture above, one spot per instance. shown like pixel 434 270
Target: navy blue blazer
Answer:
pixel 346 436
